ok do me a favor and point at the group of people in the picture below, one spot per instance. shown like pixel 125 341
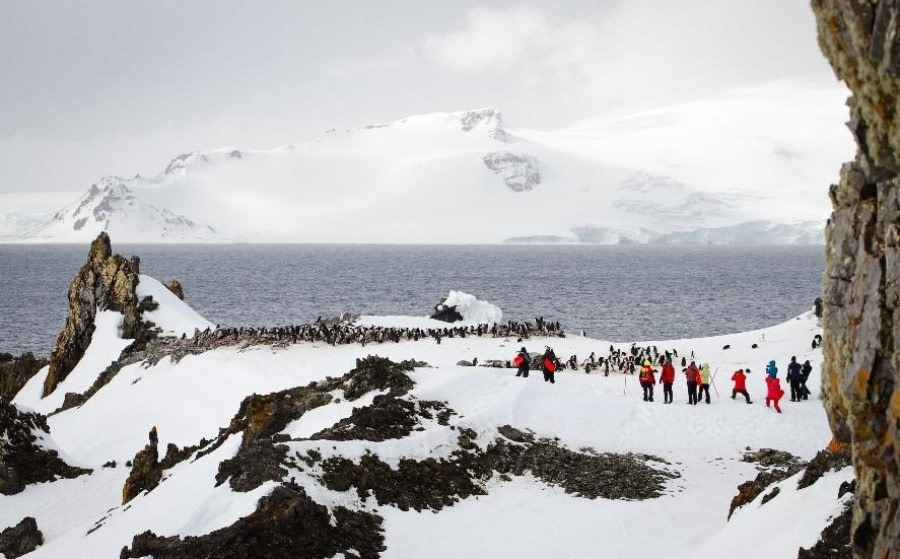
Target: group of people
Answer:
pixel 549 364
pixel 797 375
pixel 698 378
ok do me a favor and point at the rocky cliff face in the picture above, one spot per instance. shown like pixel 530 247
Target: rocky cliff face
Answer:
pixel 862 293
pixel 106 281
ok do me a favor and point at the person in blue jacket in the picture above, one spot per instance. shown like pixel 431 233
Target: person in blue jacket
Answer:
pixel 771 369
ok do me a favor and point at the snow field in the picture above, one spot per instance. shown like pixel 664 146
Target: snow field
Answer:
pixel 523 517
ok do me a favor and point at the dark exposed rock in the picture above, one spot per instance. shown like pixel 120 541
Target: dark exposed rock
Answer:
pixel 146 473
pixel 436 483
pixel 772 458
pixel 387 418
pixel 824 461
pixel 417 484
pixel 175 455
pixel 15 372
pixel 446 313
pixel 515 435
pixel 591 475
pixel 257 463
pixel 520 172
pixel 860 319
pixel 286 524
pixel 106 281
pixel 834 543
pixel 378 373
pixel 261 418
pixel 774 466
pixel 770 495
pixel 175 287
pixel 20 539
pixel 22 460
pixel 750 490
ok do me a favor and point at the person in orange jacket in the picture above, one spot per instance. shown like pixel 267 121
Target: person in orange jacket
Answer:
pixel 740 385
pixel 647 379
pixel 667 378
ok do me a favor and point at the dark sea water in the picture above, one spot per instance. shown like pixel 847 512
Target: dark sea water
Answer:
pixel 618 293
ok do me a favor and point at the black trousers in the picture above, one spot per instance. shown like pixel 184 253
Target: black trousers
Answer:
pixel 523 372
pixel 667 392
pixel 648 391
pixel 548 377
pixel 692 392
pixel 703 388
pixel 796 390
pixel 735 392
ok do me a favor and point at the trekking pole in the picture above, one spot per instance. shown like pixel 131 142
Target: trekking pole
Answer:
pixel 713 380
pixel 626 385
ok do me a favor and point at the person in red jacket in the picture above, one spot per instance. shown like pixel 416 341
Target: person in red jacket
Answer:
pixel 740 385
pixel 692 373
pixel 667 378
pixel 774 392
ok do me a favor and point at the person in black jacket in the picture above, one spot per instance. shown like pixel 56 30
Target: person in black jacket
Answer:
pixel 549 365
pixel 795 377
pixel 523 363
pixel 804 376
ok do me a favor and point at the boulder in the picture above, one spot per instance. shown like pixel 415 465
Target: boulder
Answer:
pixel 20 539
pixel 175 287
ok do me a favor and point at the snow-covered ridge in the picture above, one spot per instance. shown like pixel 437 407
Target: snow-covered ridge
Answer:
pixel 112 206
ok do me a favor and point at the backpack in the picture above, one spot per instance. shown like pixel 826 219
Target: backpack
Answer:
pixel 549 365
pixel 519 360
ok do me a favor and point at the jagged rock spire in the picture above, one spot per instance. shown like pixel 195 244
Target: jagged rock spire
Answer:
pixel 106 281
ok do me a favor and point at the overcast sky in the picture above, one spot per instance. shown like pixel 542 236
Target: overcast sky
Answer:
pixel 94 88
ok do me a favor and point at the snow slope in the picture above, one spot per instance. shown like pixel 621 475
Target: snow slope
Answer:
pixel 197 396
pixel 763 155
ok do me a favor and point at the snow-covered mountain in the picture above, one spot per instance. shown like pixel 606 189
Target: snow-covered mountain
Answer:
pixel 756 160
pixel 113 207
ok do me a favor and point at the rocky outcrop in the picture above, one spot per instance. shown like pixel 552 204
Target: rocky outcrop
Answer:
pixel 175 287
pixel 519 172
pixel 387 418
pixel 286 524
pixel 261 418
pixel 432 484
pixel 16 371
pixel 146 473
pixel 106 281
pixel 776 465
pixel 20 539
pixel 22 459
pixel 861 373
